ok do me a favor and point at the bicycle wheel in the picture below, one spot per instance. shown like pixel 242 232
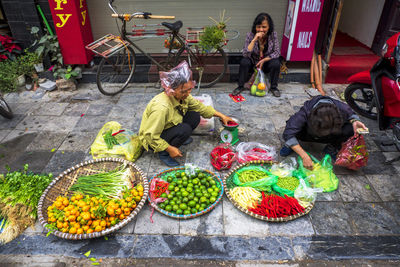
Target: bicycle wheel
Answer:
pixel 361 99
pixel 115 72
pixel 213 64
pixel 5 110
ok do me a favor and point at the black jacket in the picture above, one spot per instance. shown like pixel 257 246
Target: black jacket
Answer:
pixel 298 121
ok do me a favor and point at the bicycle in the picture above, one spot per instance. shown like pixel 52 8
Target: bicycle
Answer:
pixel 119 59
pixel 5 110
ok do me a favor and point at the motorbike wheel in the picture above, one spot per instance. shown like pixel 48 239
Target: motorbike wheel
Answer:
pixel 5 110
pixel 361 98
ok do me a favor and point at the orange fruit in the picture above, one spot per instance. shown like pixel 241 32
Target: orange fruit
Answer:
pixel 261 86
pixel 72 230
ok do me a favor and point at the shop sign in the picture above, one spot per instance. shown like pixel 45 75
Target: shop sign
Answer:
pixel 74 32
pixel 301 29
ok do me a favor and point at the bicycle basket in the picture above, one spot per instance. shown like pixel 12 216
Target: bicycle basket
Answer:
pixel 107 45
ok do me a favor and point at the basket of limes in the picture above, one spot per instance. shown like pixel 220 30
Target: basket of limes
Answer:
pixel 184 193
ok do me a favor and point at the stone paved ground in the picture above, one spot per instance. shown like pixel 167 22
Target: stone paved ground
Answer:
pixel 353 225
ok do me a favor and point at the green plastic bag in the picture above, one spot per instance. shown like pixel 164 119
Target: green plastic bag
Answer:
pixel 283 191
pixel 262 184
pixel 321 176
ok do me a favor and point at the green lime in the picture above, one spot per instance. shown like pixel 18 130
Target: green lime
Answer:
pixel 195 181
pixel 201 175
pixel 214 194
pixel 213 182
pixel 178 174
pixel 186 212
pixel 179 182
pixel 198 206
pixel 184 183
pixel 170 196
pixel 192 204
pixel 210 190
pixel 168 208
pixel 185 200
pixel 190 196
pixel 164 195
pixel 213 199
pixel 172 202
pixel 170 179
pixel 184 178
pixel 185 193
pixel 162 205
pixel 189 189
pixel 193 210
pixel 179 211
pixel 183 174
pixel 178 194
pixel 203 199
pixel 196 199
pixel 183 206
pixel 166 202
pixel 199 195
pixel 175 207
pixel 171 187
pixel 203 181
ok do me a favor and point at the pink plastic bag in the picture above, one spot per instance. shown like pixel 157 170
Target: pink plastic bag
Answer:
pixel 353 154
pixel 249 151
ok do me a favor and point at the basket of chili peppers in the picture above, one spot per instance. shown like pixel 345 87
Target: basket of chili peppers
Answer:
pixel 222 156
pixel 185 192
pixel 251 188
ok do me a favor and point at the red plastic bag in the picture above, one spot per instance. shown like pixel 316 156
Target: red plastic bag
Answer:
pixel 222 156
pixel 353 154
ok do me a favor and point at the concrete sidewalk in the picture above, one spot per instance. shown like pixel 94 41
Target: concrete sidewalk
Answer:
pixel 356 223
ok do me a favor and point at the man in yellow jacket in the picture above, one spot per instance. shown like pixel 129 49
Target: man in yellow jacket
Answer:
pixel 171 116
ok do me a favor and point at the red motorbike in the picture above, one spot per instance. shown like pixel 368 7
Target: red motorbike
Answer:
pixel 375 94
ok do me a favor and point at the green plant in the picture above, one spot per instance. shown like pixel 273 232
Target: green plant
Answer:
pixel 67 73
pixel 8 75
pixel 211 38
pixel 26 63
pixel 47 45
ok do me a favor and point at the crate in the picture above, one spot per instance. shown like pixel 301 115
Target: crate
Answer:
pixel 107 45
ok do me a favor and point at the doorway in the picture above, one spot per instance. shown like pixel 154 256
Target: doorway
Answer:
pixel 350 30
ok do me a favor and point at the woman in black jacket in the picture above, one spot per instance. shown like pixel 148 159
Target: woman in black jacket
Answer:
pixel 323 120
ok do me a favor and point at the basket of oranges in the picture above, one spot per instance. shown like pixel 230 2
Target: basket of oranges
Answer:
pixel 93 199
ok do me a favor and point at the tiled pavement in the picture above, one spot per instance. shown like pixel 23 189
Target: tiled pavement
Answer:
pixel 357 221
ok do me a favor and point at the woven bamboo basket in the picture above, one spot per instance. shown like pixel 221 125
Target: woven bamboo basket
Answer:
pixel 194 215
pixel 264 218
pixel 61 184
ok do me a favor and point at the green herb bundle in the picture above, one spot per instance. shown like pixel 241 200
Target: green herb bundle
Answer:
pixel 110 140
pixel 23 188
pixel 108 184
pixel 20 192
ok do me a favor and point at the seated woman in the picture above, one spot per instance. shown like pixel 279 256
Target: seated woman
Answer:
pixel 171 116
pixel 322 120
pixel 261 50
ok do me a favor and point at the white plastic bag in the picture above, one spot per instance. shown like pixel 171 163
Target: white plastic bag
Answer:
pixel 284 168
pixel 248 151
pixel 306 195
pixel 206 126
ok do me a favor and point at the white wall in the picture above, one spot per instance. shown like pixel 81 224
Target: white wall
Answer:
pixel 360 19
pixel 192 13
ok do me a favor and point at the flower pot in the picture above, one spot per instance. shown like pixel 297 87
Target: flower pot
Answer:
pixel 21 80
pixel 39 67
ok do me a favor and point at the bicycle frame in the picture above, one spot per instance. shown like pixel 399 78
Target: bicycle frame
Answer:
pixel 175 35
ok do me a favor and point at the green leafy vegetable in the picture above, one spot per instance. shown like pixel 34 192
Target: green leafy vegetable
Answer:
pixel 110 140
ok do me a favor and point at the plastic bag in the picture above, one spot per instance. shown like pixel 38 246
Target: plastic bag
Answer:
pixel 191 169
pixel 264 183
pixel 321 176
pixel 128 147
pixel 284 168
pixel 305 194
pixel 259 85
pixel 206 126
pixel 222 156
pixel 353 154
pixel 170 80
pixel 248 151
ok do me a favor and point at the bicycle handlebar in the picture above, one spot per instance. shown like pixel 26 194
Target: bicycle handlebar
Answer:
pixel 140 15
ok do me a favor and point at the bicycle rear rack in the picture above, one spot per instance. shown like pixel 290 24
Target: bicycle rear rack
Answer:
pixel 107 45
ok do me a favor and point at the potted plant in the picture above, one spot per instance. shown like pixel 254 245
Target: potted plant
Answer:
pixel 214 35
pixel 46 45
pixel 66 77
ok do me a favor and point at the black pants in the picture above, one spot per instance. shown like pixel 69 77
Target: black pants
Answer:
pixel 246 69
pixel 335 140
pixel 177 135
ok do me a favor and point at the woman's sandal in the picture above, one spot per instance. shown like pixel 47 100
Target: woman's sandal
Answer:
pixel 275 92
pixel 238 90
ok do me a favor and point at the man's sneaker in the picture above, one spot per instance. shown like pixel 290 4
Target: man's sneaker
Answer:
pixel 285 151
pixel 331 150
pixel 275 92
pixel 166 158
pixel 188 141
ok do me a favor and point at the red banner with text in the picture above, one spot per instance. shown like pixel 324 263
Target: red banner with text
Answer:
pixel 74 32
